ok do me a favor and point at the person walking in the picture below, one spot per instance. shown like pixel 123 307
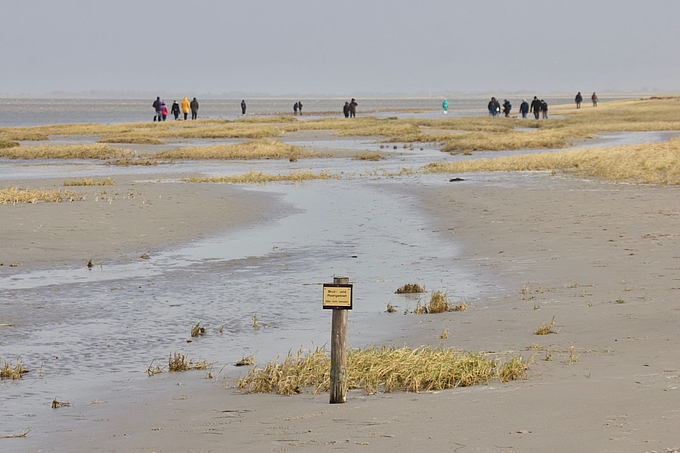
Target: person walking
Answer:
pixel 164 110
pixel 536 107
pixel 157 108
pixel 524 108
pixel 345 109
pixel 300 107
pixel 578 100
pixel 295 108
pixel 194 109
pixel 175 110
pixel 544 109
pixel 185 107
pixel 594 99
pixel 243 107
pixel 507 107
pixel 445 106
pixel 492 106
pixel 353 108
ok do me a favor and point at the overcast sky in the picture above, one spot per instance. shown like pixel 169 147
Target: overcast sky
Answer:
pixel 339 47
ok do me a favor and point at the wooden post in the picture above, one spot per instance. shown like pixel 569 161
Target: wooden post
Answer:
pixel 339 351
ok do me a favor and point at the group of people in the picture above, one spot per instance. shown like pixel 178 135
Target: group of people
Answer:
pixel 538 106
pixel 350 108
pixel 579 99
pixel 161 109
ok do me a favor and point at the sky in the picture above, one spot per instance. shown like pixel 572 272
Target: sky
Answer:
pixel 321 47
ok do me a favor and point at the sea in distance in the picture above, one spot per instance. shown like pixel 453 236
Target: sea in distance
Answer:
pixel 37 112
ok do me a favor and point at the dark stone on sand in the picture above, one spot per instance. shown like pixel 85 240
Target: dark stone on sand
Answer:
pixel 456 180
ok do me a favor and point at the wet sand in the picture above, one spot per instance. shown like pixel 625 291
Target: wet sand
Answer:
pixel 602 258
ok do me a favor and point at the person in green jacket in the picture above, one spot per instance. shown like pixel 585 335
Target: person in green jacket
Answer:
pixel 445 106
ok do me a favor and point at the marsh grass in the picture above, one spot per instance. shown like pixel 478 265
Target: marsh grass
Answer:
pixel 13 195
pixel 84 151
pixel 23 433
pixel 384 369
pixel 197 331
pixel 255 149
pixel 370 156
pixel 439 303
pixel 258 177
pixel 143 161
pixel 89 182
pixel 9 371
pixel 651 163
pixel 6 143
pixel 57 404
pixel 444 335
pixel 462 306
pixel 546 329
pixel 246 361
pixel 390 308
pixel 410 288
pixel 178 362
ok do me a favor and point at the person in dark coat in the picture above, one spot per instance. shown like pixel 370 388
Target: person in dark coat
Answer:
pixel 243 107
pixel 536 107
pixel 353 108
pixel 194 108
pixel 300 107
pixel 345 110
pixel 544 109
pixel 175 110
pixel 578 100
pixel 492 107
pixel 295 108
pixel 524 108
pixel 507 107
pixel 594 99
pixel 157 107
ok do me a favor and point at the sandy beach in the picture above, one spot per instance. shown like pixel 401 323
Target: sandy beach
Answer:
pixel 601 258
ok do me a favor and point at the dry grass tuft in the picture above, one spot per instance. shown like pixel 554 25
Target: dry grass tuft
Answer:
pixel 383 369
pixel 57 404
pixel 246 361
pixel 462 306
pixel 258 177
pixel 129 161
pixel 439 303
pixel 546 329
pixel 390 308
pixel 197 330
pixel 410 288
pixel 256 149
pixel 368 156
pixel 13 195
pixel 89 182
pixel 178 362
pixel 444 335
pixel 651 163
pixel 13 372
pixel 5 143
pixel 23 433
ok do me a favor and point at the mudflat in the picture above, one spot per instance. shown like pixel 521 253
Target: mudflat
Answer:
pixel 600 258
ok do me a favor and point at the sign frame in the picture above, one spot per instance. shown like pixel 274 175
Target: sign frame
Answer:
pixel 329 304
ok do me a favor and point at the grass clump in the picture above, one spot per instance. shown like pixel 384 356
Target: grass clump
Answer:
pixel 258 177
pixel 9 371
pixel 89 182
pixel 246 361
pixel 390 308
pixel 5 143
pixel 410 288
pixel 439 303
pixel 546 329
pixel 255 149
pixel 13 195
pixel 383 369
pixel 197 330
pixel 371 156
pixel 178 362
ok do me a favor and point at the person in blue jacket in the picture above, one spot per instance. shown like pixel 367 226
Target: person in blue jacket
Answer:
pixel 524 108
pixel 445 106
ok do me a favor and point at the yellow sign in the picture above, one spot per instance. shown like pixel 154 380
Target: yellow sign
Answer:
pixel 337 296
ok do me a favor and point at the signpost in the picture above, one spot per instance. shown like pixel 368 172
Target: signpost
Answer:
pixel 338 297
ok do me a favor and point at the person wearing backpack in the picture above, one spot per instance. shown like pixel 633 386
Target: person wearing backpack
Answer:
pixel 544 109
pixel 524 108
pixel 578 100
pixel 507 106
